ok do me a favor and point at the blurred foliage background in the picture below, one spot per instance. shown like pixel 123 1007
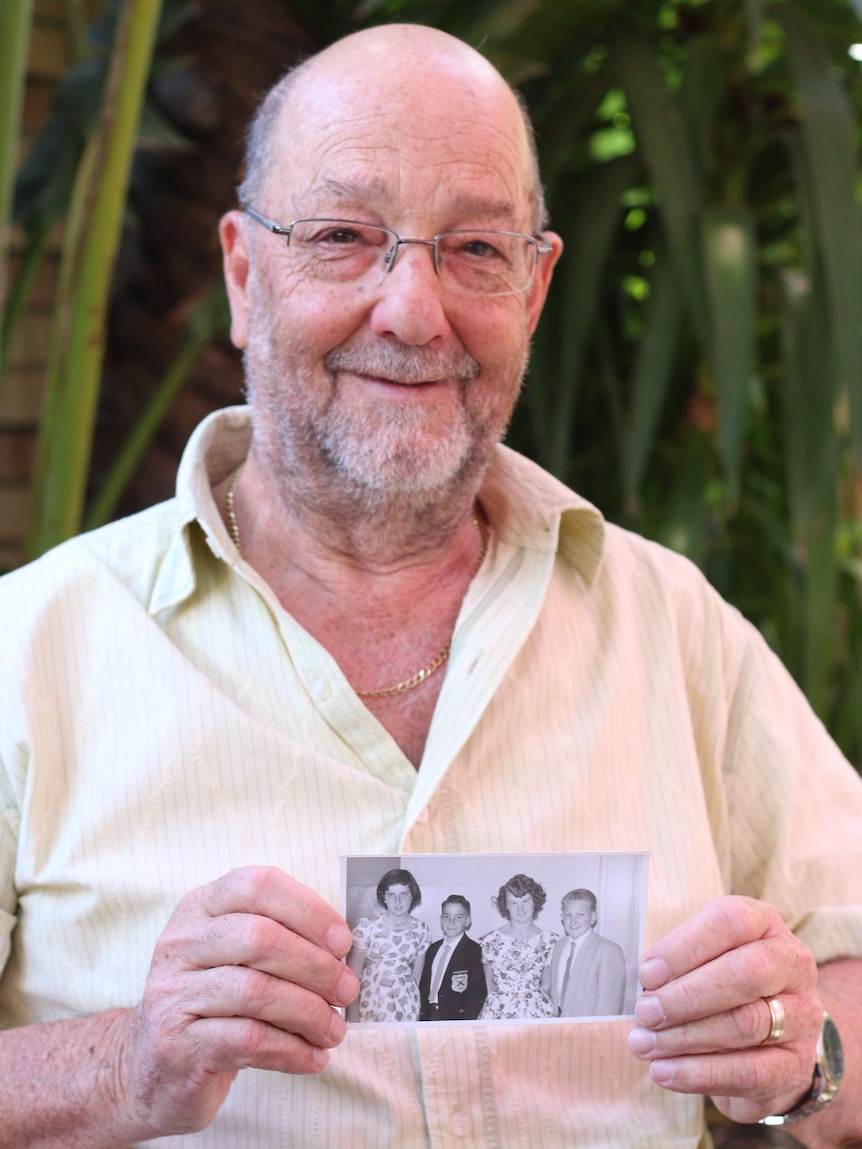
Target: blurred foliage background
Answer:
pixel 698 373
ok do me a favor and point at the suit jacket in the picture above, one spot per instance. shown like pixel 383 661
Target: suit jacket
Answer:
pixel 597 983
pixel 462 991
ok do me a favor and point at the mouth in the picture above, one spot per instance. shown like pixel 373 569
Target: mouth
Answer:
pixel 382 380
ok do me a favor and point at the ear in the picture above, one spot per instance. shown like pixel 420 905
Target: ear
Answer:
pixel 235 261
pixel 542 279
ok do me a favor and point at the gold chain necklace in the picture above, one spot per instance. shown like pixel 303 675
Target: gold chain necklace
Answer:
pixel 408 683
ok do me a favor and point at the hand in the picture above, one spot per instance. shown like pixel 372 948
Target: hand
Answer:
pixel 245 974
pixel 703 1018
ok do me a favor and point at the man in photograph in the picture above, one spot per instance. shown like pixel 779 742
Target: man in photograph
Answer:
pixel 452 984
pixel 587 971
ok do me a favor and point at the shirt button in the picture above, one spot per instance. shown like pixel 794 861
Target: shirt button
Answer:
pixel 461 1124
pixel 319 688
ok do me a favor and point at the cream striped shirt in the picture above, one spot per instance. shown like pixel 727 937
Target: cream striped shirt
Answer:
pixel 163 720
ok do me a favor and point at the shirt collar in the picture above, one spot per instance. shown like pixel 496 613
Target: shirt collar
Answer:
pixel 525 506
pixel 217 447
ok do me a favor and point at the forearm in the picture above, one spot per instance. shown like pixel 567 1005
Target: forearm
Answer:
pixel 840 1124
pixel 60 1085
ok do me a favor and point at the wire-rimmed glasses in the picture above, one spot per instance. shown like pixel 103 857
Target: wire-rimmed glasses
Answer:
pixel 469 261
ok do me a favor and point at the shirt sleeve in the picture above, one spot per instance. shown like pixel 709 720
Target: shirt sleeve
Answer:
pixel 795 809
pixel 362 934
pixel 8 849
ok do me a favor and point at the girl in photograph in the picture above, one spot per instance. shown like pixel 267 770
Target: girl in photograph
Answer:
pixel 387 953
pixel 516 954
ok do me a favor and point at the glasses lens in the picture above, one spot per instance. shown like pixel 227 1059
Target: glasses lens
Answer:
pixel 338 249
pixel 486 262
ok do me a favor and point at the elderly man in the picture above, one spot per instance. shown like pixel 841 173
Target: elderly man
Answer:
pixel 364 627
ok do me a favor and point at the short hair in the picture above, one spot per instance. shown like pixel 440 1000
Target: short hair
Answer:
pixel 519 886
pixel 580 895
pixel 459 900
pixel 399 878
pixel 260 138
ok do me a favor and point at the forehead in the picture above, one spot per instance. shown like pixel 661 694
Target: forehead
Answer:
pixel 576 906
pixel 510 897
pixel 389 146
pixel 397 888
pixel 453 908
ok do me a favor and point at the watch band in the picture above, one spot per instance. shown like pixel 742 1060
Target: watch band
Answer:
pixel 828 1073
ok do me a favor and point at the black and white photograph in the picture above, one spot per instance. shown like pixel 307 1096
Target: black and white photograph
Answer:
pixel 443 938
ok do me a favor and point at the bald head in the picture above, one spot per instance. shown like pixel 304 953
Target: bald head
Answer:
pixel 405 67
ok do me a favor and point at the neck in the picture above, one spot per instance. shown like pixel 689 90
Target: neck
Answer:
pixel 399 540
pixel 521 929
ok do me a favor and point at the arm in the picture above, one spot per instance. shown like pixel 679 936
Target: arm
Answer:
pixel 545 983
pixel 418 966
pixel 245 974
pixel 355 962
pixel 702 1018
pixel 489 977
pixel 611 982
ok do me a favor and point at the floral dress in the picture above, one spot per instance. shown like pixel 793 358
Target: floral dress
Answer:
pixel 387 989
pixel 517 965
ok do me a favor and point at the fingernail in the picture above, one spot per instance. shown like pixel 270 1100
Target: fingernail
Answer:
pixel 337 1028
pixel 654 973
pixel 662 1072
pixel 346 989
pixel 320 1058
pixel 649 1011
pixel 339 939
pixel 641 1040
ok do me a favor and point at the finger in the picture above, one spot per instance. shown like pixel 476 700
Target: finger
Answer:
pixel 270 893
pixel 226 1045
pixel 233 991
pixel 263 944
pixel 764 1077
pixel 745 1027
pixel 779 965
pixel 721 926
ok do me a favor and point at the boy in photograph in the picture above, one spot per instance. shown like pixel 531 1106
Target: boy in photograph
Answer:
pixel 452 983
pixel 587 971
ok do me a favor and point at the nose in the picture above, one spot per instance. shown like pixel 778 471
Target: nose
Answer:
pixel 409 303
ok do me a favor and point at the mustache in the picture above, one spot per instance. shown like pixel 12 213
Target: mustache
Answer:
pixel 403 364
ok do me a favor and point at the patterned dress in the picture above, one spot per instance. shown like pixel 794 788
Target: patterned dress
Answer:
pixel 517 965
pixel 387 989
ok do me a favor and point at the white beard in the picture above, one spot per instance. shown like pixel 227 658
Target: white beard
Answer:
pixel 365 458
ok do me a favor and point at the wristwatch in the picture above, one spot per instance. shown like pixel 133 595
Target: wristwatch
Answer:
pixel 828 1073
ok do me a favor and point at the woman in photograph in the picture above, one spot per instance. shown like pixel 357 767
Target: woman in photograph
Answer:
pixel 387 953
pixel 516 954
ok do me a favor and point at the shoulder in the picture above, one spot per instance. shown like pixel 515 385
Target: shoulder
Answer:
pixel 470 944
pixel 126 555
pixel 604 945
pixel 365 929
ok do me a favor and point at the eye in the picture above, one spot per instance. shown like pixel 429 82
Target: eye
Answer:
pixel 480 249
pixel 338 235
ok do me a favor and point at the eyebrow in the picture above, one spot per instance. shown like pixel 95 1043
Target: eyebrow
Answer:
pixel 376 192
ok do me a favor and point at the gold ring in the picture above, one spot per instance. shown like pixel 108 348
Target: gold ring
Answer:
pixel 777 1019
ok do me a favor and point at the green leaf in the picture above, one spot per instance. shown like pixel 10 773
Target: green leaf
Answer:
pixel 651 376
pixel 15 20
pixel 830 153
pixel 663 142
pixel 588 243
pixel 92 235
pixel 731 280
